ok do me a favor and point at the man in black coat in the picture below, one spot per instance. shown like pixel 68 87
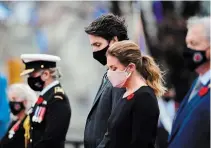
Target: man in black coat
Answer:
pixel 49 119
pixel 102 33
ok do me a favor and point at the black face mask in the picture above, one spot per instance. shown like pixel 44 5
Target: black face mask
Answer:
pixel 36 83
pixel 16 107
pixel 100 55
pixel 193 58
pixel 167 98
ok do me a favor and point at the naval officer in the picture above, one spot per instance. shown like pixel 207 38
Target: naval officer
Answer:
pixel 49 119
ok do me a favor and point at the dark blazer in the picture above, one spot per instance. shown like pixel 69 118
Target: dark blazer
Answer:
pixel 133 122
pixel 191 127
pixel 51 132
pixel 16 140
pixel 96 123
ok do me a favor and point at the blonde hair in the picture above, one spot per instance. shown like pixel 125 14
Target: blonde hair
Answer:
pixel 55 73
pixel 128 52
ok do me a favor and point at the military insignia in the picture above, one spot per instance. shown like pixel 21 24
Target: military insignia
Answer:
pixel 14 129
pixel 34 118
pixel 40 111
pixel 58 90
pixel 58 97
pixel 41 115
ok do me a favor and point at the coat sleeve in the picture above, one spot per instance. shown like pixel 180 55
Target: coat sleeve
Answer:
pixel 57 121
pixel 116 95
pixel 144 120
pixel 105 139
pixel 195 128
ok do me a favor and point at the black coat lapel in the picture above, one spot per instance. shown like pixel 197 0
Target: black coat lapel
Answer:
pixel 99 94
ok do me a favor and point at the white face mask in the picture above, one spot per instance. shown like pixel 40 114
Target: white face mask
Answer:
pixel 118 78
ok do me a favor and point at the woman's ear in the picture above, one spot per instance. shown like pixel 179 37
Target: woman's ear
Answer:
pixel 131 67
pixel 45 75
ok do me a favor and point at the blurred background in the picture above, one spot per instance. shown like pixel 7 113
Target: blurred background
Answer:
pixel 57 28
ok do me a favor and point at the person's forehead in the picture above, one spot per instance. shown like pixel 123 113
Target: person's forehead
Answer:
pixel 94 39
pixel 195 32
pixel 13 96
pixel 111 60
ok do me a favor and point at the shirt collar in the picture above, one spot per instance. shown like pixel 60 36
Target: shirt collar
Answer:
pixel 204 79
pixel 49 87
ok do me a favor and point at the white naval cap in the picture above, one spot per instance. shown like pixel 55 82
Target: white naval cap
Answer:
pixel 38 61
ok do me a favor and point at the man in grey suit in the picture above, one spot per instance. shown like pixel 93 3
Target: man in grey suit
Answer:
pixel 102 33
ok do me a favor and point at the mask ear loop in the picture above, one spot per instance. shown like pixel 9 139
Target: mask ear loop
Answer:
pixel 128 73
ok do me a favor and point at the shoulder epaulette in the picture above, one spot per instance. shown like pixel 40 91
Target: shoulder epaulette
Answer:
pixel 58 90
pixel 58 97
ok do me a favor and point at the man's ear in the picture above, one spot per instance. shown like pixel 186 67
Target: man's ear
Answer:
pixel 115 39
pixel 208 54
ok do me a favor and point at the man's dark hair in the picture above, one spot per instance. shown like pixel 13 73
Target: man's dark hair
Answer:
pixel 108 26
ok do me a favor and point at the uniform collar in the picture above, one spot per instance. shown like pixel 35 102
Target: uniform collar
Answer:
pixel 54 83
pixel 204 79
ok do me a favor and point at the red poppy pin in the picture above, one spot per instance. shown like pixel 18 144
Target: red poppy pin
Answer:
pixel 203 91
pixel 130 96
pixel 40 100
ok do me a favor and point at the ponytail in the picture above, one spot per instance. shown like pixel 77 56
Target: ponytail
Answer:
pixel 153 75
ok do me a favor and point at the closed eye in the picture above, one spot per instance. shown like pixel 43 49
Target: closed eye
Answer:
pixel 113 68
pixel 96 44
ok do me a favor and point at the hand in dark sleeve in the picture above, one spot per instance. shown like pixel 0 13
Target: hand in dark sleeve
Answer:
pixel 57 122
pixel 144 122
pixel 115 97
pixel 105 141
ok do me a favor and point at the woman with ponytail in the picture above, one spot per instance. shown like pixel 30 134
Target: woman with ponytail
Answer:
pixel 133 122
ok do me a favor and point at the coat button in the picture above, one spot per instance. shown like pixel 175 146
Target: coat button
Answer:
pixel 30 140
pixel 32 128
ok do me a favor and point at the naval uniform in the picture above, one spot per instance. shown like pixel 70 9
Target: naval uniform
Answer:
pixel 50 118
